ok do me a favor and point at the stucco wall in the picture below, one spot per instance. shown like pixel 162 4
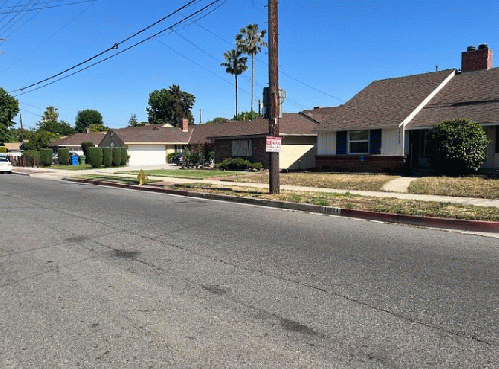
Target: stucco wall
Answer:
pixel 297 153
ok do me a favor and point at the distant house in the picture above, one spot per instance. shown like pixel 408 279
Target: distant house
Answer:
pixel 73 142
pixel 383 127
pixel 149 144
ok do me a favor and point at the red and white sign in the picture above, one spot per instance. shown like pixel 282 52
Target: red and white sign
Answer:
pixel 273 144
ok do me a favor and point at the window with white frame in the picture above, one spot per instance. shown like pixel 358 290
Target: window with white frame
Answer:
pixel 242 148
pixel 359 142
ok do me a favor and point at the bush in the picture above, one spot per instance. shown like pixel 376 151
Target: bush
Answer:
pixel 31 158
pixel 192 158
pixel 85 146
pixel 238 164
pixel 170 156
pixel 107 156
pixel 3 150
pixel 63 155
pixel 456 147
pixel 116 156
pixel 124 156
pixel 46 157
pixel 95 156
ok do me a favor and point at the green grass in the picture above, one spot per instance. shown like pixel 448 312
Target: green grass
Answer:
pixel 72 167
pixel 187 173
pixel 114 179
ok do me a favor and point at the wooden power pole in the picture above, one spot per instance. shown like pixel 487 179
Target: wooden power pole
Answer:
pixel 274 102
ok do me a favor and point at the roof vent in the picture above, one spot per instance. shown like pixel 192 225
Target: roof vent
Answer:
pixel 470 48
pixel 483 46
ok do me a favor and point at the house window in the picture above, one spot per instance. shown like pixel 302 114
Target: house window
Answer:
pixel 359 142
pixel 242 148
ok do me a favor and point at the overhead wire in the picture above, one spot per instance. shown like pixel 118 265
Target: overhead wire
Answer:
pixel 114 47
pixel 114 55
pixel 47 7
pixel 40 44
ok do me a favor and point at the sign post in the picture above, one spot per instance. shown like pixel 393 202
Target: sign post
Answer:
pixel 273 95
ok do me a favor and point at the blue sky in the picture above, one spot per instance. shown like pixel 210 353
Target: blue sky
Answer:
pixel 328 50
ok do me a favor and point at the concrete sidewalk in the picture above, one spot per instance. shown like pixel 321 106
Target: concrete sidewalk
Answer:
pixel 393 189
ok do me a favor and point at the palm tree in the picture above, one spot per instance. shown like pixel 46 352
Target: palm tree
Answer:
pixel 235 64
pixel 250 41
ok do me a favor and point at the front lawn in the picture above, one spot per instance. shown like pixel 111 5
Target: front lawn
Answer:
pixel 473 186
pixel 186 173
pixel 339 181
pixel 72 167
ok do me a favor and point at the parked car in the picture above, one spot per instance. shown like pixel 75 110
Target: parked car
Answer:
pixel 5 165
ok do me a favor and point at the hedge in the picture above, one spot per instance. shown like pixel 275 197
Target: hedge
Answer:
pixel 63 155
pixel 107 156
pixel 3 149
pixel 116 156
pixel 31 158
pixel 85 146
pixel 124 156
pixel 95 156
pixel 46 157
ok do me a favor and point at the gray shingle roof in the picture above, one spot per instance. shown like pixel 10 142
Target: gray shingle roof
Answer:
pixel 77 138
pixel 382 104
pixel 471 95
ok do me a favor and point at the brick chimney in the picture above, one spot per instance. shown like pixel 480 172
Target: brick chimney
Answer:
pixel 476 59
pixel 185 125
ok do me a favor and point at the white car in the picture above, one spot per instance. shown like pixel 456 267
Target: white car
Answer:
pixel 5 165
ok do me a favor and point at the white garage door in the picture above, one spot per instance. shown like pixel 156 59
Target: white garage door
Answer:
pixel 147 154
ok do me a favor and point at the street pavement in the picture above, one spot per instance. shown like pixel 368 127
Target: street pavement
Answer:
pixel 100 277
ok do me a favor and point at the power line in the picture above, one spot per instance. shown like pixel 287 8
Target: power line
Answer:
pixel 114 47
pixel 114 55
pixel 14 11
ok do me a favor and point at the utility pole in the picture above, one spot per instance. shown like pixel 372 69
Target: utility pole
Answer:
pixel 200 117
pixel 273 94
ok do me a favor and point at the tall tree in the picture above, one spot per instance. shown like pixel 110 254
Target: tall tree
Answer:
pixel 170 106
pixel 50 122
pixel 250 41
pixel 9 108
pixel 87 118
pixel 235 64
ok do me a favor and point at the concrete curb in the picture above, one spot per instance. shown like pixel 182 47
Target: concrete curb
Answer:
pixel 444 223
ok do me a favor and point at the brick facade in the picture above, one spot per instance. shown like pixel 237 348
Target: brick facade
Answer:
pixel 364 163
pixel 473 60
pixel 223 150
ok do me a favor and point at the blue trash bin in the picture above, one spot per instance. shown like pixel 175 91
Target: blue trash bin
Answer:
pixel 74 159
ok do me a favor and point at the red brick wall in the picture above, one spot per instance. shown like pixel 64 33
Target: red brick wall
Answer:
pixel 223 150
pixel 352 163
pixel 476 60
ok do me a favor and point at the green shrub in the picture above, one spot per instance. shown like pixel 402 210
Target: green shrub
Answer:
pixel 85 146
pixel 46 157
pixel 95 156
pixel 170 156
pixel 116 156
pixel 31 158
pixel 257 166
pixel 3 150
pixel 457 147
pixel 124 156
pixel 63 155
pixel 235 164
pixel 192 158
pixel 107 156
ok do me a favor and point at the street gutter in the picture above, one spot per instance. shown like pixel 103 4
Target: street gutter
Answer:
pixel 419 221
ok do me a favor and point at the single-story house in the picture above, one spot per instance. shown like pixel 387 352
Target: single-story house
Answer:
pixel 383 127
pixel 149 144
pixel 73 142
pixel 248 140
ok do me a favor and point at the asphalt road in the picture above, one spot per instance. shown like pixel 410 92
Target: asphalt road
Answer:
pixel 96 277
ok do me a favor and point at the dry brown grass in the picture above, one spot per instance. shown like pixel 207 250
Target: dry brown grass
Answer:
pixel 476 186
pixel 350 201
pixel 340 181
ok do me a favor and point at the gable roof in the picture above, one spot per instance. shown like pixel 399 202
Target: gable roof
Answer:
pixel 77 138
pixel 471 95
pixel 291 124
pixel 382 104
pixel 153 133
